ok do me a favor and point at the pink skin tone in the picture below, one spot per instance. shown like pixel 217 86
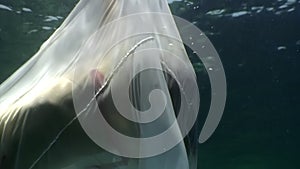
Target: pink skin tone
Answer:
pixel 97 78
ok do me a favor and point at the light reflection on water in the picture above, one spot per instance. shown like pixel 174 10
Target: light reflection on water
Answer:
pixel 260 47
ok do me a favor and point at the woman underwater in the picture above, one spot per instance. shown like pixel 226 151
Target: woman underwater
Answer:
pixel 97 47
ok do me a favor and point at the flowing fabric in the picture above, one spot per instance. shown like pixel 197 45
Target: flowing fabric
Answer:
pixel 103 49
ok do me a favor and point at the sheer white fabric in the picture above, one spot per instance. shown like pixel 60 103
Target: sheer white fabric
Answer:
pixel 117 38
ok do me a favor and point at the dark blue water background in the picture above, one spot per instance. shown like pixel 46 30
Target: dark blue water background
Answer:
pixel 259 45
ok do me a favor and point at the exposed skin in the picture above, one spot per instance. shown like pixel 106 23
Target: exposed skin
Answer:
pixel 98 78
pixel 29 133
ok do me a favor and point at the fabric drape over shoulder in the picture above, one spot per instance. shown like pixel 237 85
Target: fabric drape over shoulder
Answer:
pixel 104 91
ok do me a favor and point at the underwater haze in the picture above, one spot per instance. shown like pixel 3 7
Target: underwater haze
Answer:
pixel 259 45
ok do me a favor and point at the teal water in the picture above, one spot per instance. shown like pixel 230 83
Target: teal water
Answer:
pixel 259 45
